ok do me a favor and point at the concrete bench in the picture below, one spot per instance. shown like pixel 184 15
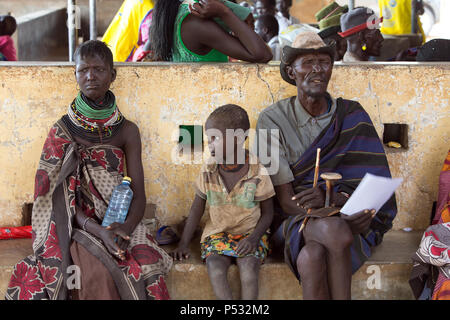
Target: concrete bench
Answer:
pixel 189 280
pixel 409 94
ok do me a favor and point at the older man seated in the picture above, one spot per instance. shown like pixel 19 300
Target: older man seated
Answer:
pixel 329 249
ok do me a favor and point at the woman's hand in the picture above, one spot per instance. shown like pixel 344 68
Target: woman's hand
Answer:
pixel 247 245
pixel 312 198
pixel 180 253
pixel 359 222
pixel 207 9
pixel 123 230
pixel 109 236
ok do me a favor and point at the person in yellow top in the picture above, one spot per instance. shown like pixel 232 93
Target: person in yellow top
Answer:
pixel 124 35
pixel 397 17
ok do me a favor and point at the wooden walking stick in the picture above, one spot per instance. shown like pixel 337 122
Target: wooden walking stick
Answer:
pixel 316 177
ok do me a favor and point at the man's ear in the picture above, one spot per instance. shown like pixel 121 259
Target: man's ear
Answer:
pixel 290 72
pixel 362 37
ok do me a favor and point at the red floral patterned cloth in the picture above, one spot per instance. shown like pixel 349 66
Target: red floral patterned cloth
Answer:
pixel 70 174
pixel 434 249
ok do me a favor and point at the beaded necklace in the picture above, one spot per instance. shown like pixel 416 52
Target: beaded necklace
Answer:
pixel 87 122
pixel 95 111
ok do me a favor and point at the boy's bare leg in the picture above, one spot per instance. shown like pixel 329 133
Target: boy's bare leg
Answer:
pixel 335 236
pixel 312 267
pixel 249 274
pixel 218 271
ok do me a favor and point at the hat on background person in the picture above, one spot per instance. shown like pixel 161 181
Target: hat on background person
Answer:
pixel 358 19
pixel 434 50
pixel 304 43
pixel 329 19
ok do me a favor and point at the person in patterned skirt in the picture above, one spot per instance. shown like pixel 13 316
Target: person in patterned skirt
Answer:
pixel 82 160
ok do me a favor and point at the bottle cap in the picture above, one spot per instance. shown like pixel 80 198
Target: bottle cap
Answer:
pixel 128 179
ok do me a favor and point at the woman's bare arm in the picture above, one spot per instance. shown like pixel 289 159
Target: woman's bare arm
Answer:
pixel 195 214
pixel 133 156
pixel 199 31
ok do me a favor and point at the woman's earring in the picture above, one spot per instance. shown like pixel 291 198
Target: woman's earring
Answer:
pixel 78 88
pixel 364 47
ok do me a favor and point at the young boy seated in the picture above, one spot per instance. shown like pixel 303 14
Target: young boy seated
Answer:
pixel 239 193
pixel 8 26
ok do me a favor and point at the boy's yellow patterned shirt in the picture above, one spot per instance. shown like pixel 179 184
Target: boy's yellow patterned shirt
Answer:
pixel 238 211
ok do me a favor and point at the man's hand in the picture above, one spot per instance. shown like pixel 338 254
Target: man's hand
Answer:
pixel 109 236
pixel 207 9
pixel 247 245
pixel 359 222
pixel 312 198
pixel 180 253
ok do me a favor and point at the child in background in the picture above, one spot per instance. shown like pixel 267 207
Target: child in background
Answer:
pixel 266 26
pixel 8 26
pixel 239 193
pixel 263 7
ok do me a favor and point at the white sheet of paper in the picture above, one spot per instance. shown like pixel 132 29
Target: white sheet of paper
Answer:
pixel 372 193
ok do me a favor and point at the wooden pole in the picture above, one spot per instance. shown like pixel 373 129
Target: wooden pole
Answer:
pixel 316 177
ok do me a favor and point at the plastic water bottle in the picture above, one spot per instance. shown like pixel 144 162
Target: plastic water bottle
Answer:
pixel 119 203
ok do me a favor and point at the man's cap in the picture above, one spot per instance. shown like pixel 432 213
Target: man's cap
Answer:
pixel 329 19
pixel 304 43
pixel 325 33
pixel 434 50
pixel 329 16
pixel 358 19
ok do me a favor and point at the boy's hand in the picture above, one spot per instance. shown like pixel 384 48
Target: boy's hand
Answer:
pixel 247 245
pixel 180 253
pixel 359 222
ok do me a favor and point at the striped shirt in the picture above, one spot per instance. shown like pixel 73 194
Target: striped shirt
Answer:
pixel 297 131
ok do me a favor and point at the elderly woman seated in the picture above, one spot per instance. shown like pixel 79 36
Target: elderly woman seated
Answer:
pixel 81 163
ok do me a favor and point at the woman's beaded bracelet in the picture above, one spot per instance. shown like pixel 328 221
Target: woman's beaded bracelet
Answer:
pixel 84 223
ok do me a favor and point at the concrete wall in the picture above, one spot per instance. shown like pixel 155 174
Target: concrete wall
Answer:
pixel 42 36
pixel 106 9
pixel 160 97
pixel 19 8
pixel 304 10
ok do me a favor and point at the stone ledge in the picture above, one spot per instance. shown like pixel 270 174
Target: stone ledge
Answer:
pixel 189 280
